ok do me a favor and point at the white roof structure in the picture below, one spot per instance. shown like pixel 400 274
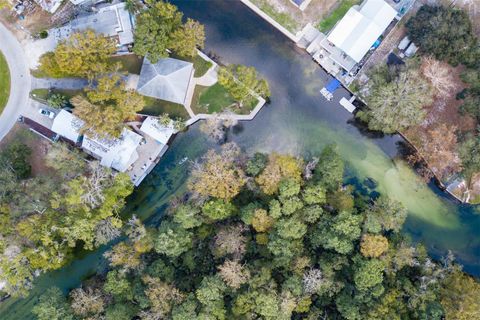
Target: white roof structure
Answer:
pixel 361 27
pixel 67 125
pixel 49 5
pixel 118 154
pixel 157 131
pixel 111 21
pixel 168 79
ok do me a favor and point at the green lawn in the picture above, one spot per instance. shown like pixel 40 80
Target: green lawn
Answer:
pixel 283 18
pixel 156 107
pixel 216 99
pixel 42 95
pixel 329 22
pixel 130 62
pixel 4 82
pixel 200 65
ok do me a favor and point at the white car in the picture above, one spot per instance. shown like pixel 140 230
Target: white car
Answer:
pixel 46 113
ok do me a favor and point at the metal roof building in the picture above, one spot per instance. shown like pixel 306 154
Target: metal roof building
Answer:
pixel 168 79
pixel 67 125
pixel 112 21
pixel 157 131
pixel 361 27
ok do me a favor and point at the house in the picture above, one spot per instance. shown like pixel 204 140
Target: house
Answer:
pixel 68 126
pixel 49 5
pixel 113 21
pixel 160 133
pixel 117 153
pixel 352 37
pixel 168 79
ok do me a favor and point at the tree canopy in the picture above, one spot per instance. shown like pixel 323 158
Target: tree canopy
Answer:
pixel 106 107
pixel 160 29
pixel 395 99
pixel 286 254
pixel 446 33
pixel 82 54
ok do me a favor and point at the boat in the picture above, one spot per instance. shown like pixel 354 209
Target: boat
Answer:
pixel 182 161
pixel 330 88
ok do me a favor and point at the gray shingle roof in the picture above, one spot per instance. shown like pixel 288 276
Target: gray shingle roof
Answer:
pixel 168 79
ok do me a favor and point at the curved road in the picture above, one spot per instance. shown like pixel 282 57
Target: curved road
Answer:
pixel 20 80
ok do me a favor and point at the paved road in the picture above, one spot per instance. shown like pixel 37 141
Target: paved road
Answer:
pixel 20 80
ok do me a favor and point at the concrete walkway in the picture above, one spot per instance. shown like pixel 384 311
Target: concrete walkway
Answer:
pixel 64 83
pixel 19 80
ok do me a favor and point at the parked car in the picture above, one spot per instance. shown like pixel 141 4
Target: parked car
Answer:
pixel 47 113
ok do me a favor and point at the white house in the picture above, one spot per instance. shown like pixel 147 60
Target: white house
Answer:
pixel 352 37
pixel 67 125
pixel 168 79
pixel 157 131
pixel 117 153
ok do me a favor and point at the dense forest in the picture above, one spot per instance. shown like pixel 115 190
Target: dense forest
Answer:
pixel 270 237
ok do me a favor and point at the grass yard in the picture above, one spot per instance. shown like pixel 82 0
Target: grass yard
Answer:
pixel 329 22
pixel 200 65
pixel 131 63
pixel 216 99
pixel 281 17
pixel 4 82
pixel 156 107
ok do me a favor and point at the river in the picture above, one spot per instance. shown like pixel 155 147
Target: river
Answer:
pixel 298 120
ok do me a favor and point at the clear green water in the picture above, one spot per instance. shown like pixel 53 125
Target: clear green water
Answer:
pixel 297 121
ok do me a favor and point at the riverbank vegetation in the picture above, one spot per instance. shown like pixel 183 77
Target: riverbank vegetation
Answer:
pixel 52 202
pixel 271 237
pixel 4 82
pixel 444 100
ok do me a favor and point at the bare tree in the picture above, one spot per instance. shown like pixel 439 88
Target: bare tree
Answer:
pixel 312 280
pixel 99 178
pixel 233 273
pixel 106 231
pixel 439 74
pixel 230 240
pixel 87 302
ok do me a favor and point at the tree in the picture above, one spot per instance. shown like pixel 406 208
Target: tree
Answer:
pixel 52 306
pixel 279 167
pixel 67 163
pixel 233 273
pixel 107 106
pixel 256 164
pixel 187 216
pixel 431 29
pixel 312 280
pixel 162 296
pixel 87 302
pixel 123 255
pixel 83 55
pixel 230 240
pixel 373 246
pixel 188 38
pixel 261 221
pixel 211 290
pixel 218 209
pixel 160 28
pixel 172 240
pixel 470 154
pixel 330 168
pixel 385 215
pixel 460 297
pixel 16 157
pixel 368 274
pixel 439 74
pixel 240 81
pixel 218 176
pixel 57 101
pixel 395 99
pixel 439 149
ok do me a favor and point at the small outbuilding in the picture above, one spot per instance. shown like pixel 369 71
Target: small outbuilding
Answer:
pixel 168 79
pixel 159 132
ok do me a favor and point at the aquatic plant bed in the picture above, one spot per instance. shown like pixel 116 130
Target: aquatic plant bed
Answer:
pixel 200 65
pixel 216 99
pixel 4 82
pixel 329 22
pixel 157 107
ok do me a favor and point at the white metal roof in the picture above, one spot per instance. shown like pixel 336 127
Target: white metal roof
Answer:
pixel 67 125
pixel 157 131
pixel 118 154
pixel 361 27
pixel 168 79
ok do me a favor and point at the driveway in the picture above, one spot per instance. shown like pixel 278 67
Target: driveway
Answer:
pixel 20 80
